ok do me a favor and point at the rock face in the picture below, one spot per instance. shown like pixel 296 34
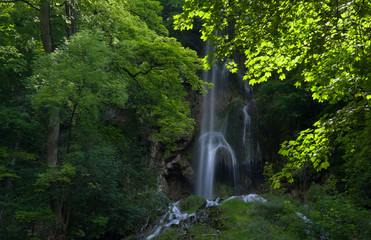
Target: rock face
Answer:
pixel 177 176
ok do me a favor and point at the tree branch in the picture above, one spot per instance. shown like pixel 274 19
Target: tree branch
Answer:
pixel 152 67
pixel 12 1
pixel 130 74
pixel 134 76
pixel 61 5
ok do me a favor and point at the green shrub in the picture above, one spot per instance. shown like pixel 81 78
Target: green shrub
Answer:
pixel 339 219
pixel 293 220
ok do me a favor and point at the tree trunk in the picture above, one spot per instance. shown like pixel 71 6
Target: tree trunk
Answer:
pixel 71 20
pixel 60 206
pixel 46 35
pixel 62 210
pixel 57 205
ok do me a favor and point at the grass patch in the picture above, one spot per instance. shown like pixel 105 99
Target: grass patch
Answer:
pixel 257 229
pixel 258 220
pixel 171 233
pixel 268 210
pixel 202 231
pixel 236 213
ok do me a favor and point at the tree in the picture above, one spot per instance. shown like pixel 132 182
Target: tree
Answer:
pixel 159 71
pixel 327 42
pixel 76 90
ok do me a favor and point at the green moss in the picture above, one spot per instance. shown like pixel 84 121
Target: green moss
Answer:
pixel 218 218
pixel 192 203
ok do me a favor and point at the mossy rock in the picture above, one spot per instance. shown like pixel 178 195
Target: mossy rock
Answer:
pixel 192 203
pixel 217 217
pixel 212 216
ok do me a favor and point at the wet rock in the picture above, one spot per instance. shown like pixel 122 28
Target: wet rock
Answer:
pixel 248 198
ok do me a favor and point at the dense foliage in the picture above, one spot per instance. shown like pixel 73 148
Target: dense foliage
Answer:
pixel 327 43
pixel 84 85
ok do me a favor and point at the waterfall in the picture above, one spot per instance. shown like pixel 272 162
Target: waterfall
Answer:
pixel 216 149
pixel 212 141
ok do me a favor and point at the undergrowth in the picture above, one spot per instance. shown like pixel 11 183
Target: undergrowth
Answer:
pixel 280 218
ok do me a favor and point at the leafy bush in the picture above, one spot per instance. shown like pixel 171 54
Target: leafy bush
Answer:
pixel 337 218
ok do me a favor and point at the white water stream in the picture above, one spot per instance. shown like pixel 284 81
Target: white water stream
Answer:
pixel 173 217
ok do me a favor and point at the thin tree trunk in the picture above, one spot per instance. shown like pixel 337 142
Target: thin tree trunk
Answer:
pixel 70 14
pixel 52 140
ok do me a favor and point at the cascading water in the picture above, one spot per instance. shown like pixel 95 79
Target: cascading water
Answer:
pixel 216 148
pixel 212 142
pixel 172 217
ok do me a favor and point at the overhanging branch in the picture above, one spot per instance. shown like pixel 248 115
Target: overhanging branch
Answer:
pixel 24 1
pixel 134 75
